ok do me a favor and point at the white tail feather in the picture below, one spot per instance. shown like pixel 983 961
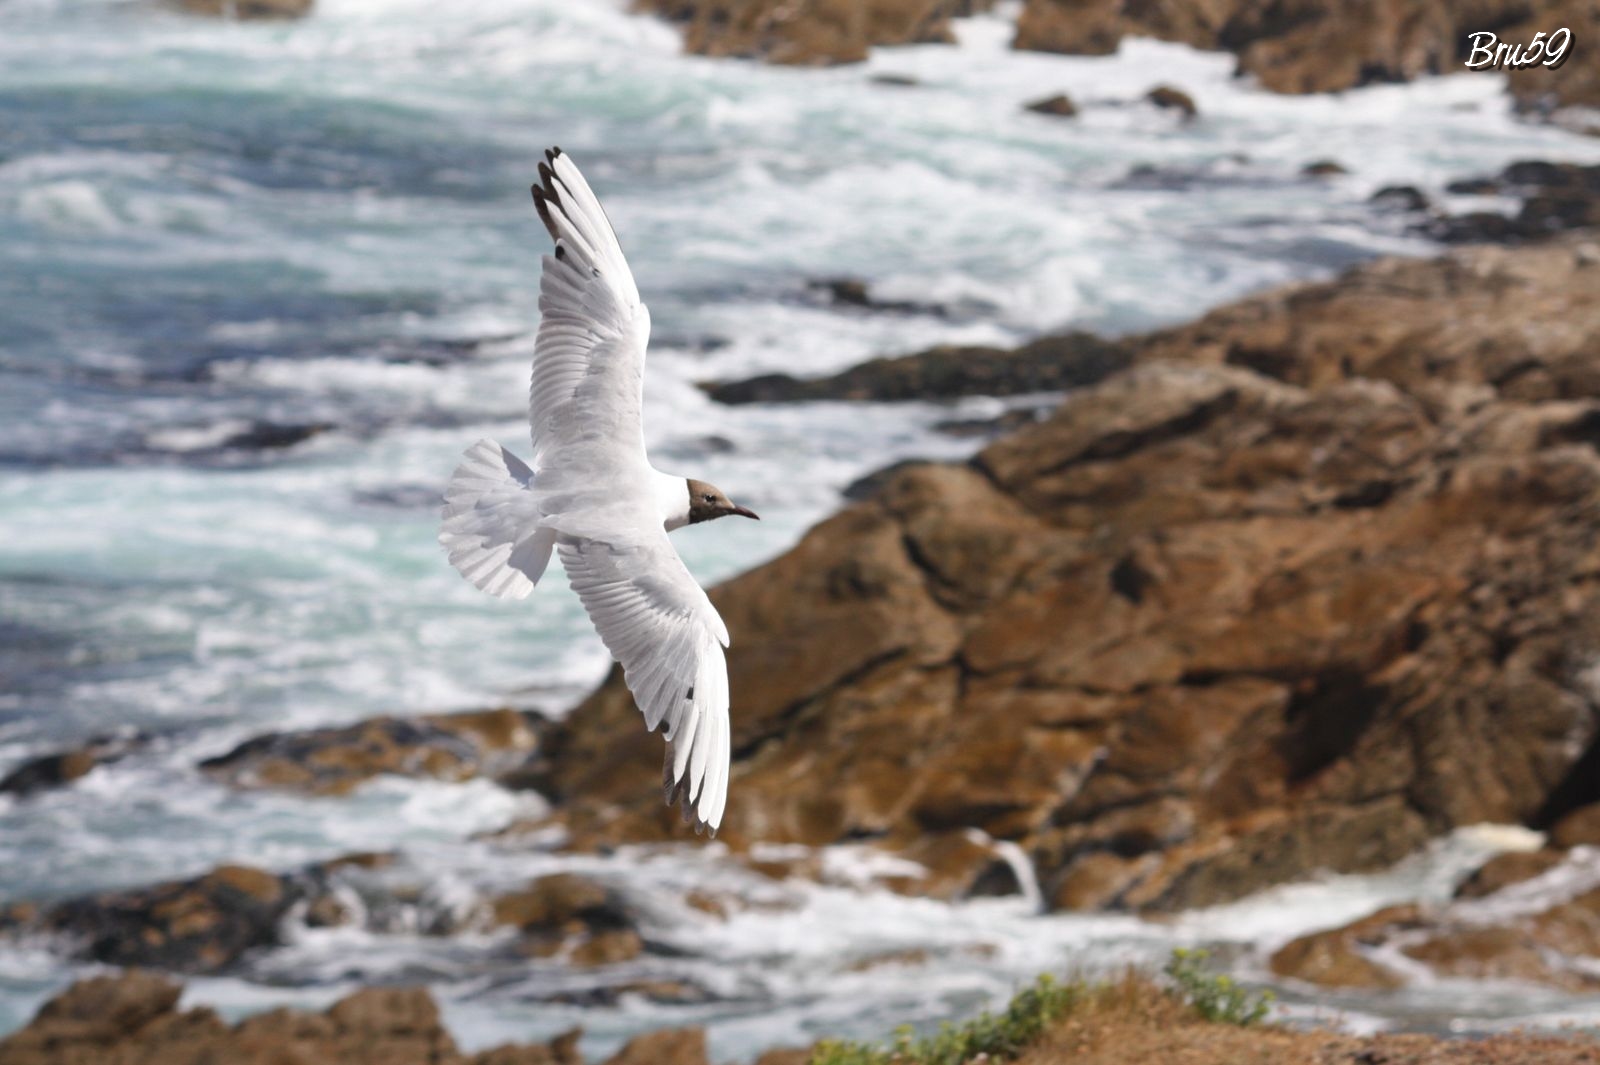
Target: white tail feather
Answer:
pixel 490 525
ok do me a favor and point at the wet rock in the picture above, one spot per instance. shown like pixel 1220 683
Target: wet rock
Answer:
pixel 248 10
pixel 895 81
pixel 675 1046
pixel 1060 105
pixel 333 761
pixel 64 767
pixel 213 923
pixel 1402 198
pixel 1495 930
pixel 201 925
pixel 580 919
pixel 812 33
pixel 1503 870
pixel 956 865
pixel 1300 590
pixel 1324 168
pixel 1556 198
pixel 133 1019
pixel 853 292
pixel 1171 99
pixel 1051 364
pixel 1340 957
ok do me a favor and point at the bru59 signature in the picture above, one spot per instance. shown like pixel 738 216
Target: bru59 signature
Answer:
pixel 1491 53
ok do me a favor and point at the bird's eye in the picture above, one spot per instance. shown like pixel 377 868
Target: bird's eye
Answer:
pixel 709 498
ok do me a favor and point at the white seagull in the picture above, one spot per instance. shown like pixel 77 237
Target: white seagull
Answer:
pixel 591 494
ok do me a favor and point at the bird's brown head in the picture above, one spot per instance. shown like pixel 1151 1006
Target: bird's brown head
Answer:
pixel 707 502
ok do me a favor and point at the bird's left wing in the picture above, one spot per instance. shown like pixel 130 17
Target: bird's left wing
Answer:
pixel 588 360
pixel 658 623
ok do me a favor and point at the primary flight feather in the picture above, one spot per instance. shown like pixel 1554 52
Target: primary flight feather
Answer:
pixel 590 495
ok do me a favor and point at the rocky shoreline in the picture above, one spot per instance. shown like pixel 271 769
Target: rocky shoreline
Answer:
pixel 1311 47
pixel 134 1019
pixel 1296 587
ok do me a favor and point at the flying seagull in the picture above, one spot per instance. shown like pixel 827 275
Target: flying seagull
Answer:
pixel 591 495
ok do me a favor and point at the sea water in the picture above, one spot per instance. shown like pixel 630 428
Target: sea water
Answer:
pixel 316 236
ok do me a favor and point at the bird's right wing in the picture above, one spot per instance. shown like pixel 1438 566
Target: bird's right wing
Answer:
pixel 588 360
pixel 657 621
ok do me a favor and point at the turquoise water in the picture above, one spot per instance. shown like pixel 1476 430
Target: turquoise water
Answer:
pixel 211 232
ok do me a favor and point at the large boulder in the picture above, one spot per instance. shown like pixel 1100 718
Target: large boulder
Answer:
pixel 1311 583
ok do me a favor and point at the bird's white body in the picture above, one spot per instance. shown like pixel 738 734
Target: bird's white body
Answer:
pixel 591 496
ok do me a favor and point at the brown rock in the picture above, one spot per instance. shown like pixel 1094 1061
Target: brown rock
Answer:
pixel 1050 364
pixel 1171 99
pixel 64 767
pixel 1337 958
pixel 248 9
pixel 1578 828
pixel 200 925
pixel 132 1019
pixel 1060 105
pixel 569 914
pixel 1503 870
pixel 811 32
pixel 1324 168
pixel 1309 584
pixel 674 1046
pixel 333 761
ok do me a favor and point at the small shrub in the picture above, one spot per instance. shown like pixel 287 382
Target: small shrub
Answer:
pixel 1214 996
pixel 1001 1037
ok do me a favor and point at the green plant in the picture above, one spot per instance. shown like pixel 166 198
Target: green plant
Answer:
pixel 1001 1036
pixel 1214 996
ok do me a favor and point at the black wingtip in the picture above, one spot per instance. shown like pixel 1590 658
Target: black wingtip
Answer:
pixel 547 181
pixel 553 152
pixel 541 202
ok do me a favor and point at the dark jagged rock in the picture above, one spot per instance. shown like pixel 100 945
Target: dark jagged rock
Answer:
pixel 1399 198
pixel 578 918
pixel 332 761
pixel 1171 99
pixel 201 925
pixel 853 292
pixel 1050 364
pixel 249 10
pixel 1308 585
pixel 212 923
pixel 1556 198
pixel 1060 105
pixel 64 767
pixel 1324 168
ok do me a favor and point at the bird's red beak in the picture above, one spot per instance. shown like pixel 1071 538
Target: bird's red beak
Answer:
pixel 746 512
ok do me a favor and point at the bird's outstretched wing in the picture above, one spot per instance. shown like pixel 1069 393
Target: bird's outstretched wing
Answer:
pixel 588 363
pixel 657 621
pixel 586 405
